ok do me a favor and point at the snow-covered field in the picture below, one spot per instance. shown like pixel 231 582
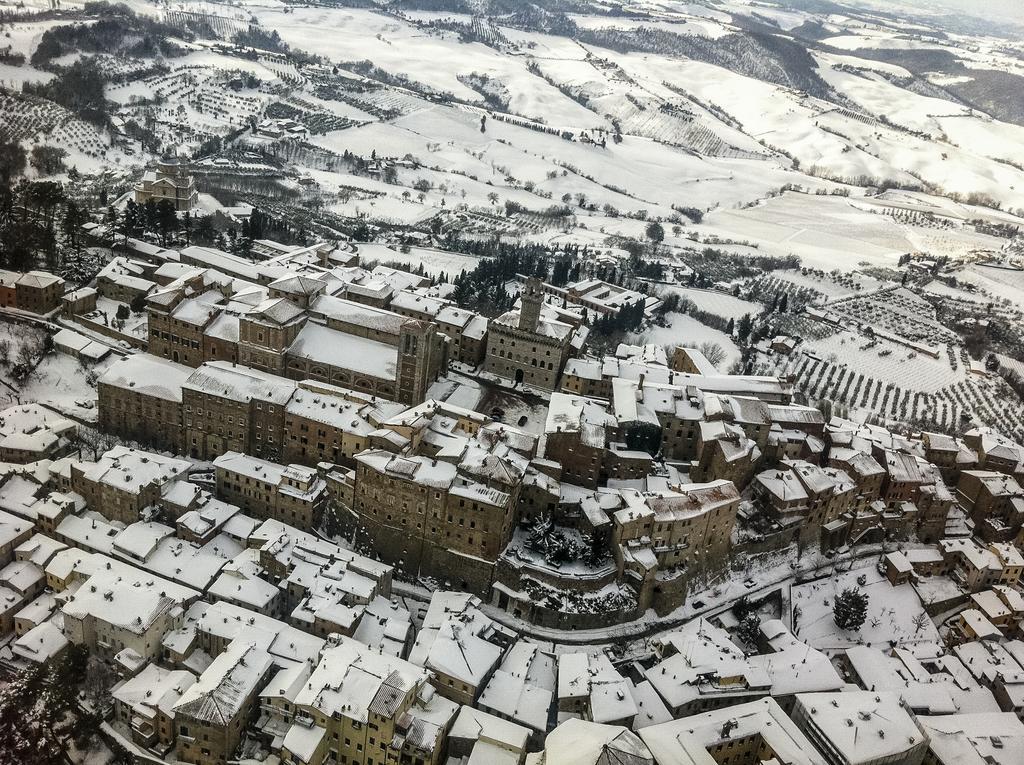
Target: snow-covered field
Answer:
pixel 433 261
pixel 718 303
pixel 686 331
pixel 888 361
pixel 1000 283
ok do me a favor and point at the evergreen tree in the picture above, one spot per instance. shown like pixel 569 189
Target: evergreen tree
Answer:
pixel 332 524
pixel 73 218
pixel 850 609
pixel 149 215
pixel 655 232
pixel 749 629
pixel 166 219
pixel 744 327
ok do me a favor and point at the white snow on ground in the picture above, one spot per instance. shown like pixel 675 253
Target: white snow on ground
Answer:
pixel 1008 362
pixel 687 331
pixel 944 290
pixel 59 381
pixel 718 303
pixel 356 35
pixel 434 261
pixel 13 77
pixel 25 38
pixel 891 614
pixel 887 361
pixel 998 282
pixel 878 39
pixel 825 232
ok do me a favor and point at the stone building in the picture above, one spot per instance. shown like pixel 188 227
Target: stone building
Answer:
pixel 358 706
pixel 125 280
pixel 324 423
pixel 8 295
pixel 179 314
pixel 994 501
pixel 422 357
pixel 454 624
pixel 864 469
pixel 692 655
pixel 140 399
pixel 292 329
pixel 466 330
pixel 423 516
pixel 222 407
pixel 528 346
pixel 213 713
pixel 758 731
pixel 950 455
pixel 583 438
pixel 292 494
pixel 977 568
pixel 637 364
pixel 995 451
pixel 124 609
pixel 144 704
pixel 82 300
pixel 883 718
pixel 438 491
pixel 802 498
pixel 38 292
pixel 266 332
pixel 662 540
pixel 401 369
pixel 934 502
pixel 170 180
pixel 724 452
pixel 124 482
pixel 234 408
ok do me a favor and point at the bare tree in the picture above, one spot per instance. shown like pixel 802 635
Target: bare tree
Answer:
pixel 919 622
pixel 95 441
pixel 713 352
pixel 30 352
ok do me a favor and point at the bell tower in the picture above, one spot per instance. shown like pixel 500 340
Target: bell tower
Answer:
pixel 417 365
pixel 530 301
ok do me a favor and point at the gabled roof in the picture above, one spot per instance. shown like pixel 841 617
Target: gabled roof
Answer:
pixel 278 311
pixel 224 688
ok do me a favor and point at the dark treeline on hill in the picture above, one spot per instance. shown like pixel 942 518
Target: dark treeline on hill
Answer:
pixel 757 51
pixel 628 319
pixel 80 88
pixel 117 29
pixel 765 57
pixel 727 266
pixel 495 248
pixel 483 288
pixel 257 37
pixel 504 8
